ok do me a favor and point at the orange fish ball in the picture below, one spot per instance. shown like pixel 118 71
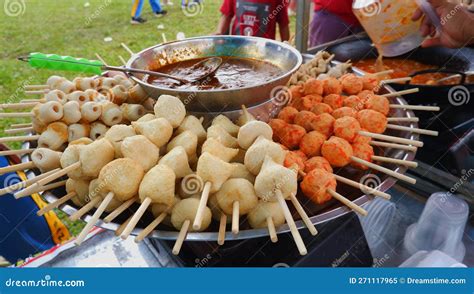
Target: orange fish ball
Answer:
pixel 378 103
pixel 337 151
pixel 304 118
pixel 371 120
pixel 316 183
pixel 311 143
pixel 317 162
pixel 354 102
pixel 323 123
pixel 288 114
pixel 333 100
pixel 313 86
pixel 344 111
pixel 346 128
pixel 332 86
pixel 319 108
pixel 362 151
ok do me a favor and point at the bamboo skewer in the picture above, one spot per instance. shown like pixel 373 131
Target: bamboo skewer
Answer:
pixel 393 145
pixel 235 217
pixel 384 170
pixel 16 114
pixel 347 202
pixel 16 152
pixel 181 237
pixel 146 231
pixel 26 138
pixel 36 92
pixel 23 125
pixel 136 217
pixel 17 167
pixel 396 80
pixel 415 107
pixel 413 130
pixel 56 203
pixel 403 119
pixel 291 223
pixel 17 106
pixel 222 228
pixel 382 73
pixel 202 205
pixel 304 216
pixel 19 130
pixel 95 217
pixel 400 93
pixel 408 163
pixel 272 230
pixel 391 138
pixel 26 183
pixel 42 100
pixel 120 229
pixel 362 187
pixel 36 87
pixel 127 49
pixel 119 210
pixel 85 209
pixel 45 188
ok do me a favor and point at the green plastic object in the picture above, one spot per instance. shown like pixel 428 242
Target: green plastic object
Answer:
pixel 68 63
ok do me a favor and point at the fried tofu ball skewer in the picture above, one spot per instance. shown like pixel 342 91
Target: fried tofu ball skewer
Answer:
pixel 42 158
pixel 77 191
pixel 182 215
pixel 236 197
pixel 267 214
pixel 275 183
pixel 157 187
pixel 214 172
pixel 121 178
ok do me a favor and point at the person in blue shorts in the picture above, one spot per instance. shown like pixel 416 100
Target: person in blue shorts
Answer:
pixel 138 7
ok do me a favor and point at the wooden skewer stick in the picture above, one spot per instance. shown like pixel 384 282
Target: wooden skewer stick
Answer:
pixel 119 210
pixel 235 217
pixel 16 114
pixel 272 230
pixel 222 228
pixel 202 205
pixel 17 167
pixel 303 215
pixel 85 209
pixel 146 231
pixel 400 93
pixel 36 87
pixel 19 130
pixel 291 223
pixel 347 202
pixel 26 183
pixel 95 217
pixel 51 177
pixel 127 49
pixel 181 237
pixel 408 163
pixel 124 62
pixel 136 217
pixel 413 130
pixel 17 106
pixel 36 92
pixel 391 138
pixel 415 107
pixel 100 58
pixel 393 145
pixel 19 139
pixel 382 73
pixel 396 80
pixel 403 119
pixel 42 100
pixel 384 170
pixel 120 229
pixel 362 187
pixel 47 187
pixel 56 203
pixel 16 152
pixel 24 125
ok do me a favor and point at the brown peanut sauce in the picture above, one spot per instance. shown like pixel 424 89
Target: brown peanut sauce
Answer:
pixel 234 72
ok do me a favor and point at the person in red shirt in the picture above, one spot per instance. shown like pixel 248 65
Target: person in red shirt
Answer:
pixel 255 18
pixel 333 19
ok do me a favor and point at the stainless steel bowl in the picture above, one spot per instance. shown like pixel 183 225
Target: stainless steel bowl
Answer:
pixel 218 100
